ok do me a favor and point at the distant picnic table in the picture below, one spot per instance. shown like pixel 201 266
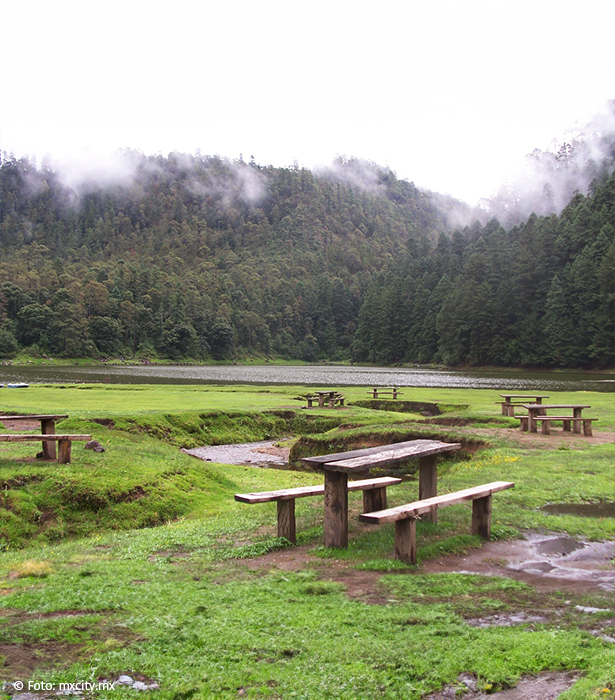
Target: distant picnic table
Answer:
pixel 537 413
pixel 379 391
pixel 328 397
pixel 339 465
pixel 509 403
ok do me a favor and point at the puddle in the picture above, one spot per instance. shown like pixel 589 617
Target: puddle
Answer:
pixel 258 454
pixel 511 620
pixel 558 546
pixel 547 560
pixel 587 510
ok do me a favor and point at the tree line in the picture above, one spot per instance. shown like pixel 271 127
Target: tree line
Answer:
pixel 192 257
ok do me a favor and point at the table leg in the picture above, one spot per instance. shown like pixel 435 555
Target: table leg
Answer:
pixel 531 423
pixel 336 509
pixel 48 427
pixel 576 424
pixel 428 484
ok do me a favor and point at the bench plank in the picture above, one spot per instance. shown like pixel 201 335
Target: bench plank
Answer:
pixel 318 490
pixel 34 417
pixel 14 437
pixel 412 510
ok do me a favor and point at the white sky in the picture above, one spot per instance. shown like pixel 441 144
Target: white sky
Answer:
pixel 451 94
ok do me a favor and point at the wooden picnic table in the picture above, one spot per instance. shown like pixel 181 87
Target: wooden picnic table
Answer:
pixel 508 405
pixel 48 427
pixel 338 466
pixel 540 409
pixel 326 396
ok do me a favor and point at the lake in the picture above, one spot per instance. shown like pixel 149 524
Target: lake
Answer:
pixel 312 375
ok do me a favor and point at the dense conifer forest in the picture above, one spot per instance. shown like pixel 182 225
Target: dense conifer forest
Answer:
pixel 193 257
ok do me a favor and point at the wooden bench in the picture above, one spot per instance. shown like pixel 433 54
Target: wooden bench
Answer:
pixel 48 426
pixel 385 390
pixel 310 398
pixel 374 498
pixel 405 516
pixel 64 442
pixel 567 421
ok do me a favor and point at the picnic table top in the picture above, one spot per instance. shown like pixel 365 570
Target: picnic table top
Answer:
pixel 35 417
pixel 555 405
pixel 525 396
pixel 381 456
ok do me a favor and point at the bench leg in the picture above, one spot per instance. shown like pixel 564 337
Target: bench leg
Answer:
pixel 428 484
pixel 481 517
pixel 331 403
pixel 374 499
pixel 523 424
pixel 546 427
pixel 64 451
pixel 286 520
pixel 48 427
pixel 336 510
pixel 567 426
pixel 587 428
pixel 405 540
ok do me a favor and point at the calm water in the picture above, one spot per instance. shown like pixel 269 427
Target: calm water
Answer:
pixel 316 375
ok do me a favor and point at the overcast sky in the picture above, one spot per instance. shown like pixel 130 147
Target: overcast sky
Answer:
pixel 450 94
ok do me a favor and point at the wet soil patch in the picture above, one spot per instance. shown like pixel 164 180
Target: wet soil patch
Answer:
pixel 544 686
pixel 586 510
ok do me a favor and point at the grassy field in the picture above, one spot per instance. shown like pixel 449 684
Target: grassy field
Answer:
pixel 138 561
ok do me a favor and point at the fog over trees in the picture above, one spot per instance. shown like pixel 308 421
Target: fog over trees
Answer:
pixel 197 257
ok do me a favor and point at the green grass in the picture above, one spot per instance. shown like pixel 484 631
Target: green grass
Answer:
pixel 138 560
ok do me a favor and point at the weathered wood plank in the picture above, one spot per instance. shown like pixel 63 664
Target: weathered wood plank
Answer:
pixel 34 417
pixel 374 499
pixel 14 437
pixel 405 540
pixel 64 449
pixel 392 455
pixel 318 490
pixel 286 520
pixel 554 405
pixel 336 510
pixel 412 510
pixel 428 483
pixel 48 427
pixel 481 517
pixel 321 460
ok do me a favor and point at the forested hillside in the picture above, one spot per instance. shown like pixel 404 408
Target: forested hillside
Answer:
pixel 540 294
pixel 191 257
pixel 195 257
